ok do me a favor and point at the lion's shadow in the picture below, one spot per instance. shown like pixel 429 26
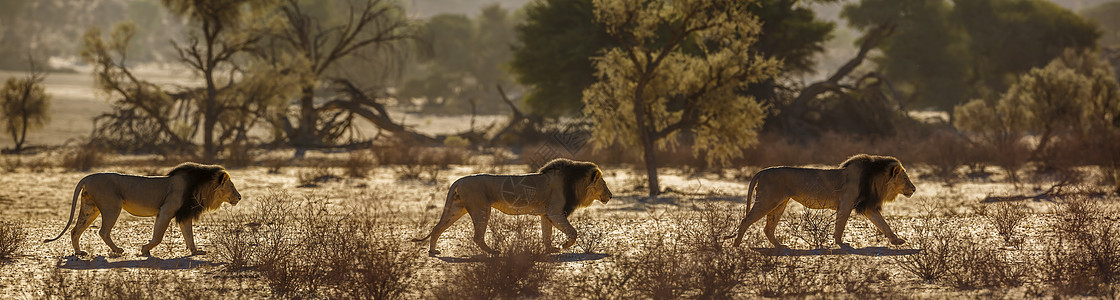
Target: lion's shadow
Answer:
pixel 101 262
pixel 557 258
pixel 868 251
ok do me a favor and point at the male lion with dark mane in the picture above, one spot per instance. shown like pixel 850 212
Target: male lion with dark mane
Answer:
pixel 863 182
pixel 553 193
pixel 186 192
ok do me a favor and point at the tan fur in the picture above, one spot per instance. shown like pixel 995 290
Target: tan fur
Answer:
pixel 840 189
pixel 145 196
pixel 541 194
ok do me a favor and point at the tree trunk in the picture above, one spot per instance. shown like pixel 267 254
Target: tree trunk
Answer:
pixel 305 133
pixel 210 117
pixel 646 130
pixel 23 133
pixel 651 165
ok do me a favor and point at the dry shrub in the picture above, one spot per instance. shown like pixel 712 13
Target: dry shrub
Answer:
pixel 936 240
pixel 302 250
pixel 238 155
pixel 414 162
pixel 944 152
pixel 516 273
pixel 315 175
pixel 705 226
pixel 1084 255
pixel 814 227
pixel 1006 216
pixel 358 164
pixel 784 276
pixel 349 256
pixel 10 163
pixel 978 264
pixel 12 238
pixel 275 163
pixel 83 158
pixel 862 281
pixel 591 233
pixel 137 284
pixel 259 238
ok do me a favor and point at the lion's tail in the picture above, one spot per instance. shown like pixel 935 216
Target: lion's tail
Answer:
pixel 451 194
pixel 750 193
pixel 73 203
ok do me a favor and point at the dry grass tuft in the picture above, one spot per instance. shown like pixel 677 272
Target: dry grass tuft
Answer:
pixel 514 274
pixel 1083 258
pixel 814 227
pixel 359 164
pixel 316 175
pixel 84 158
pixel 1006 216
pixel 12 238
pixel 302 250
pixel 935 238
pixel 415 162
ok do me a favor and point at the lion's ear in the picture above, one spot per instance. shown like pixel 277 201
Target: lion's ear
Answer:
pixel 596 175
pixel 224 179
pixel 895 170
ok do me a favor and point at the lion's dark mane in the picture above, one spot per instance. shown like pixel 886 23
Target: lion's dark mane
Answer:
pixel 870 198
pixel 197 175
pixel 573 171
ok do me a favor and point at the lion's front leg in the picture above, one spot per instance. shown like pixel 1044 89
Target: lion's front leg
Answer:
pixel 546 235
pixel 162 221
pixel 561 223
pixel 188 237
pixel 877 218
pixel 842 214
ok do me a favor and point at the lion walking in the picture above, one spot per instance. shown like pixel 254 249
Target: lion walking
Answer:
pixel 184 194
pixel 553 193
pixel 861 183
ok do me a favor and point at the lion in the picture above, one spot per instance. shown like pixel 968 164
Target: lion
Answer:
pixel 863 183
pixel 186 192
pixel 553 193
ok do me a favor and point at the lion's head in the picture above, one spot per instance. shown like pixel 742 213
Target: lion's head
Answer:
pixel 596 188
pixel 208 186
pixel 223 191
pixel 583 182
pixel 882 178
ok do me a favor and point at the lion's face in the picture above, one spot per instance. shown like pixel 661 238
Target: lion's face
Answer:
pixel 597 188
pixel 900 183
pixel 226 191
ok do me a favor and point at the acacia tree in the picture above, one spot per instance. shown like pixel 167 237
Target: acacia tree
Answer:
pixel 218 35
pixel 1073 100
pixel 147 117
pixel 23 105
pixel 677 67
pixel 375 25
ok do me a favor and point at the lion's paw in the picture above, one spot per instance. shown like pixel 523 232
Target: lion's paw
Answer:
pixel 898 241
pixel 80 253
pixel 433 252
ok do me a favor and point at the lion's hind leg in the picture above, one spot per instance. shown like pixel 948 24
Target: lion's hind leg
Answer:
pixel 86 214
pixel 451 213
pixel 772 223
pixel 481 219
pixel 108 219
pixel 762 207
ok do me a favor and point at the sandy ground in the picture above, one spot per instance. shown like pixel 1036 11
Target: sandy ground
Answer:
pixel 38 200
